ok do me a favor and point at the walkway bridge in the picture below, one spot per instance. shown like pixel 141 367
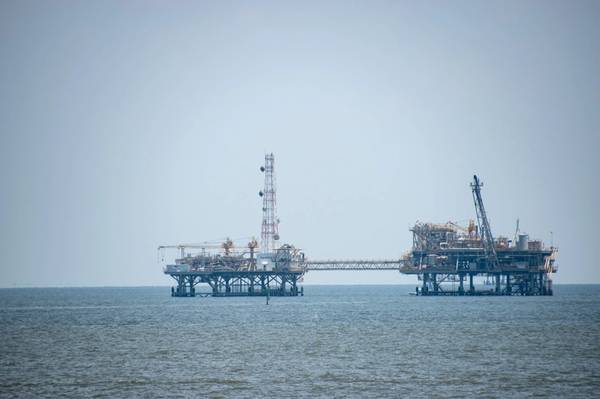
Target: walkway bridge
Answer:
pixel 371 264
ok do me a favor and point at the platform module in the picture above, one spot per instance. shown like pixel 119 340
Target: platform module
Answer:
pixel 445 256
pixel 236 268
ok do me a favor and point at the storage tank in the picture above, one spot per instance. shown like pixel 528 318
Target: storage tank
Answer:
pixel 523 243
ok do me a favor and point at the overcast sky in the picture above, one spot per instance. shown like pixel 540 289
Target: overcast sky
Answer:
pixel 129 124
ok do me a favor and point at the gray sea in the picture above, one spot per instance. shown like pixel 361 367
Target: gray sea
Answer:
pixel 336 341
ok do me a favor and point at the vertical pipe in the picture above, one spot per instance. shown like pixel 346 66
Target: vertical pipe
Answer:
pixel 471 286
pixel 497 284
pixel 541 288
pixel 191 283
pixel 181 286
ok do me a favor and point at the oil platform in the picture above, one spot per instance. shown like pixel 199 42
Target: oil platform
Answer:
pixel 242 270
pixel 444 256
pixel 448 259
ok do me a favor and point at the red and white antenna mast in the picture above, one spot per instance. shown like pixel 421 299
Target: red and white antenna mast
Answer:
pixel 270 224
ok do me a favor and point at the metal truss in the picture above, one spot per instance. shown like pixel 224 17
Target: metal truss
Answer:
pixel 322 265
pixel 239 283
pixel 500 283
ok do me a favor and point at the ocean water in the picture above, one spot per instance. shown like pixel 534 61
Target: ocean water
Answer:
pixel 336 341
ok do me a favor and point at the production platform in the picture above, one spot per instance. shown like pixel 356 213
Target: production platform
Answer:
pixel 447 258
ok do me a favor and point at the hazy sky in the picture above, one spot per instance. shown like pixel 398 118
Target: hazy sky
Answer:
pixel 129 124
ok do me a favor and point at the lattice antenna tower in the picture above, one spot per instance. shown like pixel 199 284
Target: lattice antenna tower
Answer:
pixel 270 223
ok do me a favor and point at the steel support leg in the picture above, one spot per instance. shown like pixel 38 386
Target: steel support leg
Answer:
pixel 497 284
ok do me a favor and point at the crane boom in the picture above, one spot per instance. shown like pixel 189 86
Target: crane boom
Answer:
pixel 484 224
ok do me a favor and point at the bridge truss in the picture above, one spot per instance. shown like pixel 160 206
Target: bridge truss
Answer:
pixel 374 264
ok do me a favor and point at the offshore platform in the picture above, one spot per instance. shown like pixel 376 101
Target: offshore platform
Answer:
pixel 443 256
pixel 448 259
pixel 242 270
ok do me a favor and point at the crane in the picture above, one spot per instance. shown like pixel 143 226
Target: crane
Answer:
pixel 484 225
pixel 469 230
pixel 253 244
pixel 227 246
